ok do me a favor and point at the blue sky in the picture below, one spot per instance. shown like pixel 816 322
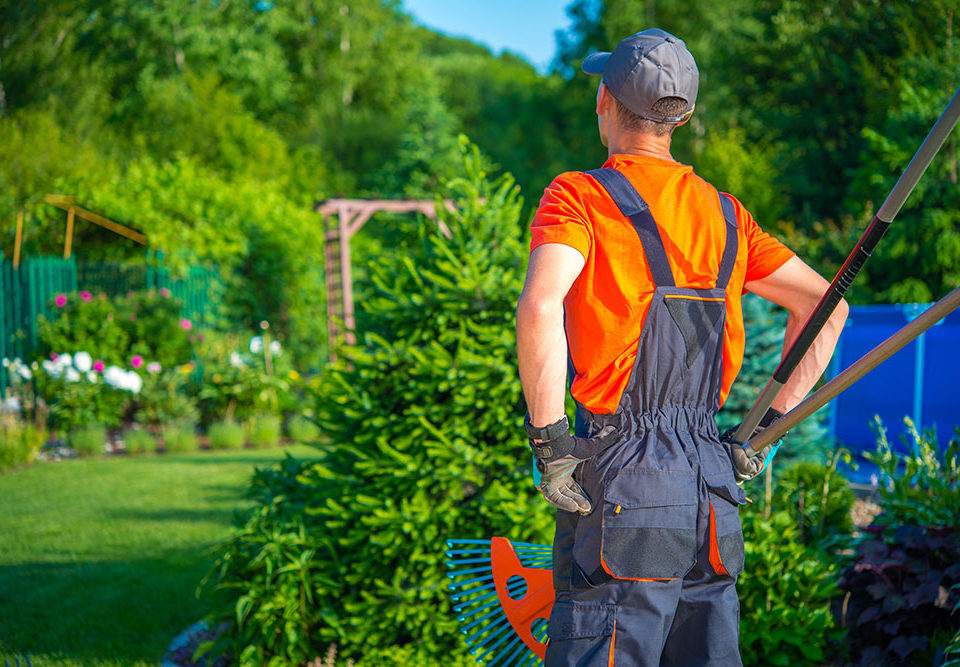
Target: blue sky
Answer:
pixel 523 26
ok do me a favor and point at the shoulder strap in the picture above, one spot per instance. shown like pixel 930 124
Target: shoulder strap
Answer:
pixel 631 204
pixel 730 249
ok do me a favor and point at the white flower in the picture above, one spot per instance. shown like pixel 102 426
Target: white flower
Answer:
pixel 256 344
pixel 65 360
pixel 235 360
pixel 92 377
pixel 12 404
pixel 115 376
pixel 51 368
pixel 154 367
pixel 72 375
pixel 133 382
pixel 24 372
pixel 82 361
pixel 275 347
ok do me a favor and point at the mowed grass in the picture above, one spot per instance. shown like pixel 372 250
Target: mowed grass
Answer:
pixel 100 559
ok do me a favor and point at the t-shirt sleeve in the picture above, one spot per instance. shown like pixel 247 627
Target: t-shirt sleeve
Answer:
pixel 765 253
pixel 561 216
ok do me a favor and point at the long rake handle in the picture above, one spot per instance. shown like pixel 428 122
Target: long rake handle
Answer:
pixel 861 252
pixel 857 370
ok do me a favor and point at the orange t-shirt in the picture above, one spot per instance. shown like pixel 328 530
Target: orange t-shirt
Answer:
pixel 608 302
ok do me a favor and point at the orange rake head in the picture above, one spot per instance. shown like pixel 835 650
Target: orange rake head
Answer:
pixel 503 595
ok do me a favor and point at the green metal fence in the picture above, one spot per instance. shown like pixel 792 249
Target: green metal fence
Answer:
pixel 27 292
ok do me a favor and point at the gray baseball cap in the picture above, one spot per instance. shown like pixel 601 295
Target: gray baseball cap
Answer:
pixel 646 67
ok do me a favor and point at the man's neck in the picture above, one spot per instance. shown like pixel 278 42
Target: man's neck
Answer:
pixel 641 143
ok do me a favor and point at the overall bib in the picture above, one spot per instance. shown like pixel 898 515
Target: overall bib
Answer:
pixel 648 577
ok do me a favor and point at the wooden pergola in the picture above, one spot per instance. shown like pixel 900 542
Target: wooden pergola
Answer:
pixel 74 210
pixel 351 215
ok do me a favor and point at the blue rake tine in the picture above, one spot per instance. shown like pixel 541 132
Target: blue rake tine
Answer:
pixel 486 617
pixel 530 544
pixel 474 570
pixel 466 561
pixel 506 649
pixel 463 617
pixel 500 626
pixel 473 601
pixel 476 580
pixel 516 654
pixel 479 649
pixel 450 543
pixel 450 552
pixel 480 589
pixel 493 647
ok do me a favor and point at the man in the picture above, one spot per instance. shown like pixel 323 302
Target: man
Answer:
pixel 637 271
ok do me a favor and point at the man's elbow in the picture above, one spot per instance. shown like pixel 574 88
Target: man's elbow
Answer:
pixel 533 310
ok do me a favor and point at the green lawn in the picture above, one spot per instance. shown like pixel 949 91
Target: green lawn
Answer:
pixel 100 558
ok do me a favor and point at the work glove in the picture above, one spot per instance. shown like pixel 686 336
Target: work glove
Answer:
pixel 556 455
pixel 747 467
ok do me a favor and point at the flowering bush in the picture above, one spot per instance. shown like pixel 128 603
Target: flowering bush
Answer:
pixel 77 393
pixel 123 330
pixel 164 397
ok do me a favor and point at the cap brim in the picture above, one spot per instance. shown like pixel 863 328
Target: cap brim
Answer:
pixel 595 62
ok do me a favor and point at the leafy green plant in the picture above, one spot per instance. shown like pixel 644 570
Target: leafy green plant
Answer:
pixel 139 441
pixel 89 440
pixel 263 430
pixel 425 433
pixel 902 588
pixel 952 650
pixel 821 500
pixel 301 429
pixel 178 438
pixel 84 322
pixel 785 596
pixel 164 397
pixel 154 328
pixel 922 487
pixel 19 442
pixel 226 435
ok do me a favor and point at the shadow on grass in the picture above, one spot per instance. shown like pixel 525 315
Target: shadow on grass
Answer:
pixel 124 611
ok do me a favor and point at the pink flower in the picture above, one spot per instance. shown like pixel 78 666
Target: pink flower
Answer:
pixel 61 300
pixel 164 292
pixel 136 361
pixel 53 356
pixel 86 296
pixel 98 366
pixel 154 367
pixel 185 324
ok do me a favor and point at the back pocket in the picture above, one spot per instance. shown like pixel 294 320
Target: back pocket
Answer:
pixel 726 533
pixel 649 525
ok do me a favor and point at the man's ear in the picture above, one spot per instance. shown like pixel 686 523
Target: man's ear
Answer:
pixel 604 100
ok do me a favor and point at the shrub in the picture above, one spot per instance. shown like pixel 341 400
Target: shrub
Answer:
pixel 821 500
pixel 164 398
pixel 785 596
pixel 179 438
pixel 264 430
pixel 900 593
pixel 89 440
pixel 425 443
pixel 921 487
pixel 139 441
pixel 84 324
pixel 19 443
pixel 78 395
pixel 301 429
pixel 226 435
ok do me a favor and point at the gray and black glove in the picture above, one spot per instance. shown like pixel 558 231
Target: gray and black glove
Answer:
pixel 747 467
pixel 557 455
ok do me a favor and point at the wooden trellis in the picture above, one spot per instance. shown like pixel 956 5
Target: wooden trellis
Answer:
pixel 351 215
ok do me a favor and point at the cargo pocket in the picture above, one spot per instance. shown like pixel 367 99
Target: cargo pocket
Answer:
pixel 649 525
pixel 725 533
pixel 593 625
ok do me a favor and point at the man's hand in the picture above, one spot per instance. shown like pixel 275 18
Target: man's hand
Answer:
pixel 557 456
pixel 744 467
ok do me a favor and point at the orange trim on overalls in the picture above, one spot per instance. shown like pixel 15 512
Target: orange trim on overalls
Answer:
pixel 613 641
pixel 692 298
pixel 715 560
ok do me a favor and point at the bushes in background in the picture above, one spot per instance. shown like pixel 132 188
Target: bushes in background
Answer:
pixel 226 435
pixel 139 441
pixel 89 440
pixel 263 430
pixel 426 443
pixel 19 443
pixel 179 438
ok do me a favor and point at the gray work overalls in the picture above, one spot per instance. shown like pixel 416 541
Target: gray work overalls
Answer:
pixel 648 577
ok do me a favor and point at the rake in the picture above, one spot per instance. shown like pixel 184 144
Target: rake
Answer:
pixel 502 594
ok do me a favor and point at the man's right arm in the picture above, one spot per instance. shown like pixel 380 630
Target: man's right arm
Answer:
pixel 798 288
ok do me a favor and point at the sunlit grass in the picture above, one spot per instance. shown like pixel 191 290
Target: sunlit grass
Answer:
pixel 99 559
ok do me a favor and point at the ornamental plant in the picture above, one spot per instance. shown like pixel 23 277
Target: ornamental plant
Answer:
pixel 78 394
pixel 425 425
pixel 84 324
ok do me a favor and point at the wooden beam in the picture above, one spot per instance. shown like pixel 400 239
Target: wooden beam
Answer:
pixel 69 204
pixel 68 241
pixel 18 240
